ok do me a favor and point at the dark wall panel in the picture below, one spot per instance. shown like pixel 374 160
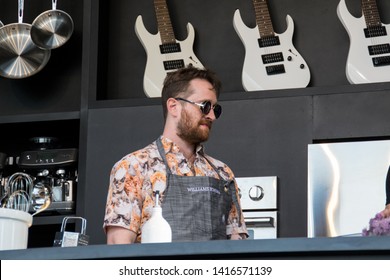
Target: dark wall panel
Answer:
pixel 113 133
pixel 269 137
pixel 354 115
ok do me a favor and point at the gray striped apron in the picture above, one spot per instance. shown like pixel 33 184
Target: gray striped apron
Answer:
pixel 197 207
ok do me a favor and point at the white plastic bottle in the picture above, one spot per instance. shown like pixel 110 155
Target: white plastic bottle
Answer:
pixel 156 229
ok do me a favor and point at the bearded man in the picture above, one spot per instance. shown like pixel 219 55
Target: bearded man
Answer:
pixel 198 194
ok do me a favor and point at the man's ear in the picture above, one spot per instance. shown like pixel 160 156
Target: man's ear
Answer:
pixel 173 107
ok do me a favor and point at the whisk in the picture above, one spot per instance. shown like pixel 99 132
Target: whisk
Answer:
pixel 19 200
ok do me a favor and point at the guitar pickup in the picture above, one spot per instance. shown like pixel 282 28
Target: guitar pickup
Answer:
pixel 381 61
pixel 375 31
pixel 268 41
pixel 379 49
pixel 170 48
pixel 272 58
pixel 275 69
pixel 173 64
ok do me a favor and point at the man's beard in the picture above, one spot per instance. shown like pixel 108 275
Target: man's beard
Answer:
pixel 192 132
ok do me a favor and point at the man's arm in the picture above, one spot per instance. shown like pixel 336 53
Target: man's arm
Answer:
pixel 119 235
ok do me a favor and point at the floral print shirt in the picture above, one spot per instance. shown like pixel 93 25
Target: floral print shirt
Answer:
pixel 134 178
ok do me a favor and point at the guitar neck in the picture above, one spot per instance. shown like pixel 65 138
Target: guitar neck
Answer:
pixel 371 13
pixel 263 18
pixel 164 24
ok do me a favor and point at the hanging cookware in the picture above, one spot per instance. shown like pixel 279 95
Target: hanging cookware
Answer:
pixel 19 56
pixel 52 28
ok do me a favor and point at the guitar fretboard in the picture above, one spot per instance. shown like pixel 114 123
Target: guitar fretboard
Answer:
pixel 263 18
pixel 164 24
pixel 371 13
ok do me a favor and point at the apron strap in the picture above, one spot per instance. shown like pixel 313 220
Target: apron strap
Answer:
pixel 162 154
pixel 232 189
pixel 235 201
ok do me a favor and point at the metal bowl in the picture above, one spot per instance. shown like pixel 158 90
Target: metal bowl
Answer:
pixel 52 29
pixel 19 56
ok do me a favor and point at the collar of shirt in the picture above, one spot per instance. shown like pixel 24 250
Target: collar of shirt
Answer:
pixel 181 165
pixel 170 146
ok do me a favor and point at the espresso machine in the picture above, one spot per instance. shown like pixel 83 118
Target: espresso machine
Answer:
pixel 54 170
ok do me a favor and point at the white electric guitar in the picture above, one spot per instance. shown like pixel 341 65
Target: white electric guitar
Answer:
pixel 164 52
pixel 369 51
pixel 271 60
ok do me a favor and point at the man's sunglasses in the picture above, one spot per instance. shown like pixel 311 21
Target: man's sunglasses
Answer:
pixel 205 107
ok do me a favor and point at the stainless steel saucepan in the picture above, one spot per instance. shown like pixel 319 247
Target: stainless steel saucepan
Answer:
pixel 19 56
pixel 52 28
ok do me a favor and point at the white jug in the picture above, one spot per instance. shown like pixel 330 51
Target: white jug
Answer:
pixel 156 229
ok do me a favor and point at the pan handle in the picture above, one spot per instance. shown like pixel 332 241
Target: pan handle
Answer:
pixel 21 10
pixel 54 5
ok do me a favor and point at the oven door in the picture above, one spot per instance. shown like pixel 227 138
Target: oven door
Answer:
pixel 261 224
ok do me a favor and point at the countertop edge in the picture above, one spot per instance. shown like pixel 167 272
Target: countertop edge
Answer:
pixel 281 248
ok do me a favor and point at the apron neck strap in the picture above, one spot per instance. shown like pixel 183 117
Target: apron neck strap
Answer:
pixel 164 158
pixel 162 154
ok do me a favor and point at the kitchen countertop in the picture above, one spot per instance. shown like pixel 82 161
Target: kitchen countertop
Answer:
pixel 281 248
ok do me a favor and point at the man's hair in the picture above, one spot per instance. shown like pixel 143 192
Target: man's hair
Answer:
pixel 176 83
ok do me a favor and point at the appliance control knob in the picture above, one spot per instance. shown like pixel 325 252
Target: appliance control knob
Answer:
pixel 60 172
pixel 256 193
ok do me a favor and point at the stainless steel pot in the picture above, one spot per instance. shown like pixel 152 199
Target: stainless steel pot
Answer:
pixel 19 56
pixel 52 28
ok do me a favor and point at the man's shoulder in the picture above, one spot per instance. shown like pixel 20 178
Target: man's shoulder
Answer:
pixel 143 154
pixel 216 162
pixel 222 168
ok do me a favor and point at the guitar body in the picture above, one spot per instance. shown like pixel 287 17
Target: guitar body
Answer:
pixel 155 71
pixel 255 75
pixel 360 67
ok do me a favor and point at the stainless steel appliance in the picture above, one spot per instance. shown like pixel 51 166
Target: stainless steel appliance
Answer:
pixel 52 173
pixel 259 204
pixel 54 169
pixel 346 186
